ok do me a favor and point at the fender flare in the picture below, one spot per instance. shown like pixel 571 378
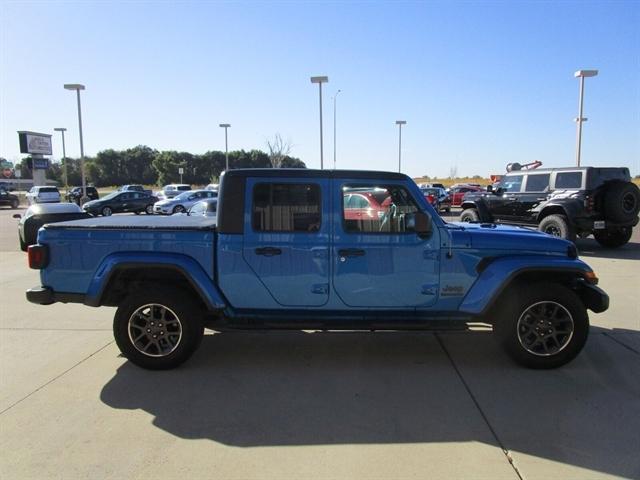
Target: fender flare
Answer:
pixel 201 283
pixel 501 272
pixel 482 208
pixel 569 209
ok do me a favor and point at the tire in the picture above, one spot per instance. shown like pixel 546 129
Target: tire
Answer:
pixel 23 245
pixel 106 212
pixel 622 202
pixel 448 209
pixel 558 226
pixel 470 215
pixel 166 350
pixel 613 237
pixel 149 209
pixel 15 204
pixel 541 326
pixel 178 209
pixel 136 212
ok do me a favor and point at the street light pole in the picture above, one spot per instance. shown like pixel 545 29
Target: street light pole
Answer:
pixel 582 74
pixel 64 157
pixel 334 128
pixel 400 123
pixel 77 87
pixel 320 80
pixel 226 144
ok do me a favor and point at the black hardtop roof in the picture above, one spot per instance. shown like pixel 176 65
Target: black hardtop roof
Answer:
pixel 311 173
pixel 562 169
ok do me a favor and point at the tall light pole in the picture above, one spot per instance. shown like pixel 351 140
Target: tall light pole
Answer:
pixel 77 87
pixel 581 74
pixel 64 157
pixel 334 128
pixel 320 80
pixel 226 144
pixel 400 123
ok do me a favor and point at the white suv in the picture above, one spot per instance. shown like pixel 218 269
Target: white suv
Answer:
pixel 43 195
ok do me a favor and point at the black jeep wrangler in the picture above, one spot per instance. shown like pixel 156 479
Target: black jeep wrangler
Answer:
pixel 565 202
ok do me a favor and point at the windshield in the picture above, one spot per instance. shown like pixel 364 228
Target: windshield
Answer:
pixel 183 196
pixel 111 196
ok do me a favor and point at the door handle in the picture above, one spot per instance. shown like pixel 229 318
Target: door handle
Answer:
pixel 268 251
pixel 351 252
pixel 511 198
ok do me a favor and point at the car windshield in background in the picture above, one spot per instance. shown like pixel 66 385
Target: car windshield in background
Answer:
pixel 183 188
pixel 111 196
pixel 431 191
pixel 49 190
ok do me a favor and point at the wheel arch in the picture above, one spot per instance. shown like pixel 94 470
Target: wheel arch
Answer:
pixel 481 207
pixel 119 274
pixel 497 282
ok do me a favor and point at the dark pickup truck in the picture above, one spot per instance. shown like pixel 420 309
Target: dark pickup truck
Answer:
pixel 286 252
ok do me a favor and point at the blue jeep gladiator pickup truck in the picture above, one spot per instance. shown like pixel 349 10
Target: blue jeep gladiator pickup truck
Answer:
pixel 307 249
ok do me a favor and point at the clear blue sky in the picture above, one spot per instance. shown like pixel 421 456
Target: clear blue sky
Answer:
pixel 480 84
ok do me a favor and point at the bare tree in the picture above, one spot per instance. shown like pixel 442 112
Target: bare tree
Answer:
pixel 453 172
pixel 279 149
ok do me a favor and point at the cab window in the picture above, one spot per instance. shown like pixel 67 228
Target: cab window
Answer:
pixel 511 183
pixel 286 207
pixel 378 209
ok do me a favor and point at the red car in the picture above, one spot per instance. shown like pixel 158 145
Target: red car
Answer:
pixel 457 193
pixel 365 204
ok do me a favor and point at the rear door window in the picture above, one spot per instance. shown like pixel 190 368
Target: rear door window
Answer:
pixel 537 183
pixel 286 207
pixel 568 179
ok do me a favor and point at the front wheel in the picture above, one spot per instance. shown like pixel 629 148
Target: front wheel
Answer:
pixel 178 209
pixel 149 209
pixel 158 328
pixel 542 325
pixel 107 212
pixel 470 215
pixel 613 237
pixel 15 204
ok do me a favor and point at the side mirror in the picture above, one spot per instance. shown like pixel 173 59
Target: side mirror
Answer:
pixel 423 224
pixel 490 188
pixel 17 215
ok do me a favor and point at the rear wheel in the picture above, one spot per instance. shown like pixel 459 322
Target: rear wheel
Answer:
pixel 107 212
pixel 470 215
pixel 14 204
pixel 558 226
pixel 149 209
pixel 542 325
pixel 158 328
pixel 613 237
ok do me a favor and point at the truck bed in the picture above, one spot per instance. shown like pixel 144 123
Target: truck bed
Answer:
pixel 172 222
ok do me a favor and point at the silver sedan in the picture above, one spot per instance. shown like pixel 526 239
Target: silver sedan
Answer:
pixel 182 202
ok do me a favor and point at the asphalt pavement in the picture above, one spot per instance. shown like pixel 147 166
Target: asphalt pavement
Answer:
pixel 315 405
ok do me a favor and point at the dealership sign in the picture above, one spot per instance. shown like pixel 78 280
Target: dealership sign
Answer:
pixel 35 143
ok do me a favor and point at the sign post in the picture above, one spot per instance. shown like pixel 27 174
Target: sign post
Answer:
pixel 180 171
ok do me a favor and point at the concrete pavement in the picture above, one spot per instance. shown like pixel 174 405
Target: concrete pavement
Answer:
pixel 314 405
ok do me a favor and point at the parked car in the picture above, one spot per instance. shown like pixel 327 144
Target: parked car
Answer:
pixel 458 192
pixel 212 186
pixel 119 202
pixel 43 194
pixel 170 191
pixel 75 194
pixel 438 198
pixel 362 203
pixel 37 215
pixel 9 199
pixel 182 202
pixel 281 254
pixel 564 202
pixel 204 208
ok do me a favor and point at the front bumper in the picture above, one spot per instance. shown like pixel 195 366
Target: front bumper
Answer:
pixel 163 210
pixel 593 297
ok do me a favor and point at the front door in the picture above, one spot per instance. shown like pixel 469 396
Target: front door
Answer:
pixel 286 240
pixel 379 260
pixel 503 204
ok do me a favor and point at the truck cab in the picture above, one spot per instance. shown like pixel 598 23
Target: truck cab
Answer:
pixel 288 249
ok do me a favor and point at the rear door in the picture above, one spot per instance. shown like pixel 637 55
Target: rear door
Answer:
pixel 286 239
pixel 380 261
